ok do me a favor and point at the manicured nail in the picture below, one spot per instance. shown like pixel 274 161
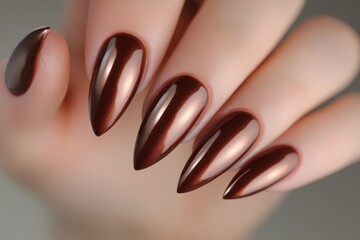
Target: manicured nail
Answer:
pixel 116 77
pixel 265 170
pixel 22 64
pixel 219 151
pixel 168 120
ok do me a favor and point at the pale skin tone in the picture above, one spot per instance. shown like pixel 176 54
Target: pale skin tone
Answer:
pixel 48 145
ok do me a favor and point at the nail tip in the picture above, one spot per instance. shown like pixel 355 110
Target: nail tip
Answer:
pixel 231 193
pixel 228 195
pixel 234 196
pixel 140 164
pixel 181 188
pixel 98 134
pixel 99 125
pixel 189 185
pixel 191 182
pixel 138 167
pixel 96 129
pixel 144 159
pixel 185 189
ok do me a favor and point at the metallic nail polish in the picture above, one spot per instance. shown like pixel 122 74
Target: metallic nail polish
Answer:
pixel 169 119
pixel 116 77
pixel 267 168
pixel 22 64
pixel 219 151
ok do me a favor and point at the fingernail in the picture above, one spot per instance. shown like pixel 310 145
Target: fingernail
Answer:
pixel 116 77
pixel 168 120
pixel 22 64
pixel 264 171
pixel 219 151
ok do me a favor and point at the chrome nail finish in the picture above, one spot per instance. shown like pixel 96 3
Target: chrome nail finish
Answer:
pixel 265 170
pixel 117 74
pixel 23 62
pixel 219 151
pixel 168 120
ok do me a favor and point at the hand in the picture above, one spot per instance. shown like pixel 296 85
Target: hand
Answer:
pixel 47 141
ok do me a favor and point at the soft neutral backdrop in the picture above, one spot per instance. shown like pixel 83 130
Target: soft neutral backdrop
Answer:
pixel 328 209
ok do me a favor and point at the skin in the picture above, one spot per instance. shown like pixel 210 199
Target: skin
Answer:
pixel 48 145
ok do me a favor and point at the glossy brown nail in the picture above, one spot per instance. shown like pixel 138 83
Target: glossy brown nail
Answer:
pixel 169 119
pixel 265 170
pixel 219 151
pixel 117 73
pixel 23 62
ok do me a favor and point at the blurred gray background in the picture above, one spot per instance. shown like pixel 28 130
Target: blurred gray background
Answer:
pixel 328 209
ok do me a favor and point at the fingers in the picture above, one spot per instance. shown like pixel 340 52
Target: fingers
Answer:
pixel 221 47
pixel 75 26
pixel 125 43
pixel 34 80
pixel 316 61
pixel 316 146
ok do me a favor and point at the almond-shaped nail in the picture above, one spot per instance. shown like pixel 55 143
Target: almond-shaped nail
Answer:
pixel 266 169
pixel 219 150
pixel 169 119
pixel 117 73
pixel 23 61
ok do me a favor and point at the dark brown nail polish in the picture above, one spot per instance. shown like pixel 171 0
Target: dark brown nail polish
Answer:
pixel 267 168
pixel 116 77
pixel 22 64
pixel 168 120
pixel 219 150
